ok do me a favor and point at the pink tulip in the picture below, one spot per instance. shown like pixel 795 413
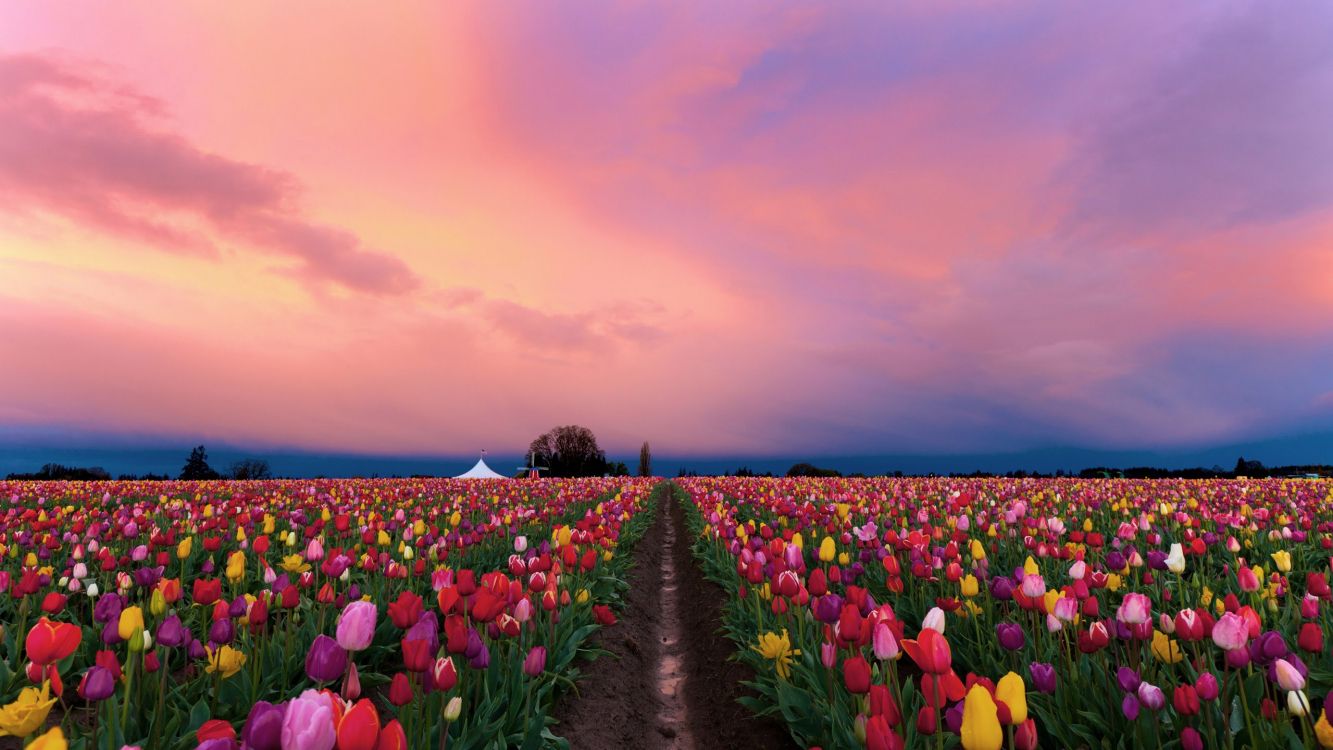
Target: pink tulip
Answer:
pixel 1230 632
pixel 1136 609
pixel 308 723
pixel 883 642
pixel 1288 678
pixel 356 625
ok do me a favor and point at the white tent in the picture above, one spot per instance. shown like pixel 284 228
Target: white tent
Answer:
pixel 480 471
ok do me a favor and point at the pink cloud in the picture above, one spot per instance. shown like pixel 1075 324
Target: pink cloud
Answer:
pixel 98 154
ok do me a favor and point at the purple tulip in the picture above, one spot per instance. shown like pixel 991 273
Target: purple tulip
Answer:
pixel 1156 559
pixel 218 743
pixel 1115 560
pixel 222 631
pixel 1130 706
pixel 828 608
pixel 482 660
pixel 1010 635
pixel 474 643
pixel 263 727
pixel 107 608
pixel 1129 679
pixel 196 649
pixel 1190 739
pixel 239 606
pixel 1267 648
pixel 172 633
pixel 326 661
pixel 97 685
pixel 427 628
pixel 1002 588
pixel 1043 677
pixel 953 718
pixel 111 633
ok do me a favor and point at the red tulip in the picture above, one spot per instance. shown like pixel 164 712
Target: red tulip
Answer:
pixel 455 634
pixel 445 674
pixel 930 651
pixel 417 655
pixel 1311 638
pixel 53 603
pixel 215 729
pixel 880 736
pixel 400 690
pixel 1025 738
pixel 49 642
pixel 486 605
pixel 406 610
pixel 1186 700
pixel 392 737
pixel 359 728
pixel 856 675
pixel 206 591
pixel 603 615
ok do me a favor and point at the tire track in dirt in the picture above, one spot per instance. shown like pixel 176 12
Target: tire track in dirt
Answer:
pixel 668 684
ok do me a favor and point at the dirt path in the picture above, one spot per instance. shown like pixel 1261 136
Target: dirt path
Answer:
pixel 668 684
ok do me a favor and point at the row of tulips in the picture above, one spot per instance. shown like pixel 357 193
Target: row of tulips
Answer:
pixel 1033 613
pixel 352 614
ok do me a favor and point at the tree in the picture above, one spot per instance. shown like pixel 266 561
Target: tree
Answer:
pixel 810 470
pixel 251 468
pixel 196 466
pixel 645 460
pixel 569 451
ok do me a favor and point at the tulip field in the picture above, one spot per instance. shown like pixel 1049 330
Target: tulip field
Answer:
pixel 878 613
pixel 357 614
pixel 1031 613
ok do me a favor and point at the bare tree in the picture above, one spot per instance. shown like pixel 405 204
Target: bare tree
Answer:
pixel 645 460
pixel 251 468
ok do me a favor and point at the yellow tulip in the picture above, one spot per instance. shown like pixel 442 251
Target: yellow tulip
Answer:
pixel 1165 648
pixel 1323 731
pixel 1013 693
pixel 844 558
pixel 294 564
pixel 827 549
pixel 157 603
pixel 977 550
pixel 969 585
pixel 1030 566
pixel 226 659
pixel 54 739
pixel 28 712
pixel 236 566
pixel 1282 559
pixel 778 649
pixel 183 549
pixel 131 620
pixel 981 723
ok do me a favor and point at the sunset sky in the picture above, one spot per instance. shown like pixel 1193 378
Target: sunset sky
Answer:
pixel 740 228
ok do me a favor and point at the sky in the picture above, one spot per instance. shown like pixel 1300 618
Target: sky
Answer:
pixel 731 229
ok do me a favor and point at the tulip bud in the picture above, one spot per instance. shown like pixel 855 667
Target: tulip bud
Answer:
pixel 453 709
pixel 1297 703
